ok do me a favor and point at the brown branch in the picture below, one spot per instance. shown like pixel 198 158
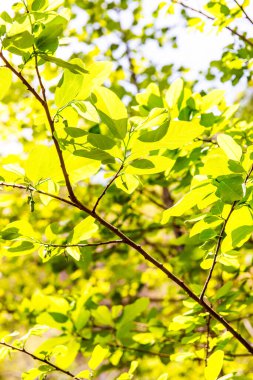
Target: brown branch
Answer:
pixel 43 102
pixel 233 31
pixel 31 188
pixel 45 361
pixel 208 321
pixel 158 265
pixel 243 11
pixel 76 203
pixel 221 235
pixel 107 187
pixel 217 250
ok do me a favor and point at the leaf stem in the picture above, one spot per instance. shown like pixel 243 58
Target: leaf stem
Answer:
pixel 233 31
pixel 153 261
pixel 45 361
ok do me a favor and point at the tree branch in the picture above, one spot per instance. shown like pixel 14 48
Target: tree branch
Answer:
pixel 221 235
pixel 156 263
pixel 43 102
pixel 45 361
pixel 76 203
pixel 208 321
pixel 217 250
pixel 243 11
pixel 233 31
pixel 107 187
pixel 82 245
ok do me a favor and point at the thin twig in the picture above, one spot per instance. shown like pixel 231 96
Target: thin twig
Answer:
pixel 45 361
pixel 107 187
pixel 233 31
pixel 82 245
pixel 152 353
pixel 158 265
pixel 76 203
pixel 243 11
pixel 217 250
pixel 221 236
pixel 208 321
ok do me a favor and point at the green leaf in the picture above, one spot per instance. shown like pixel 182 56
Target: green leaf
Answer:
pixel 133 310
pixel 47 41
pixel 84 230
pixel 111 111
pixel 103 316
pixel 95 154
pixel 16 229
pixel 188 201
pixel 238 229
pixel 58 317
pixel 100 141
pixel 5 81
pixel 155 135
pixel 174 93
pixel 212 99
pixel 224 290
pixel 68 88
pixel 230 188
pixel 75 132
pixel 127 182
pixel 38 5
pixel 98 355
pixel 73 67
pixel 214 365
pixel 230 147
pixel 86 110
pixel 142 164
pixel 150 165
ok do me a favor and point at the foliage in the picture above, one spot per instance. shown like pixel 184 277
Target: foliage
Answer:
pixel 126 220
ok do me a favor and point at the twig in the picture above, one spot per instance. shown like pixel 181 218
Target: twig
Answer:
pixel 76 203
pixel 217 250
pixel 160 354
pixel 158 265
pixel 243 11
pixel 133 77
pixel 45 361
pixel 31 188
pixel 233 31
pixel 43 102
pixel 221 235
pixel 207 336
pixel 107 187
pixel 82 245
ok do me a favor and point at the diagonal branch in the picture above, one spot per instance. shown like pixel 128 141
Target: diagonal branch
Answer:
pixel 243 11
pixel 107 187
pixel 217 250
pixel 233 31
pixel 43 102
pixel 45 361
pixel 157 264
pixel 221 236
pixel 76 203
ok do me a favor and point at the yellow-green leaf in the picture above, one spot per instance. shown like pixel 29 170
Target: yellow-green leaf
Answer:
pixel 98 355
pixel 189 200
pixel 84 230
pixel 214 365
pixel 174 92
pixel 230 147
pixel 238 229
pixel 5 81
pixel 111 110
